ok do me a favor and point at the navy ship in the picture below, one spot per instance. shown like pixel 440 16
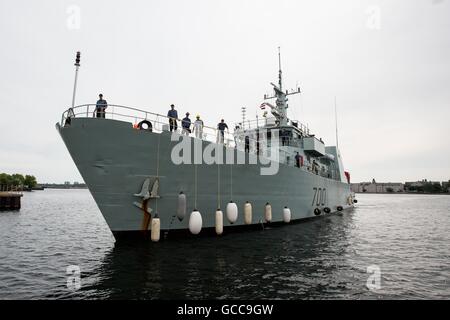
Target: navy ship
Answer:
pixel 149 181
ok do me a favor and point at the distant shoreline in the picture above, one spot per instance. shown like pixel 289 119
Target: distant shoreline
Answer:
pixel 395 193
pixel 57 187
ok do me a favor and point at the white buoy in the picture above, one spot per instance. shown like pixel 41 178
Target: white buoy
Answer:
pixel 248 213
pixel 349 200
pixel 219 222
pixel 232 212
pixel 286 215
pixel 181 210
pixel 195 222
pixel 268 212
pixel 156 229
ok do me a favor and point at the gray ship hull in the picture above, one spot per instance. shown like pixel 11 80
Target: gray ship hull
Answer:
pixel 114 160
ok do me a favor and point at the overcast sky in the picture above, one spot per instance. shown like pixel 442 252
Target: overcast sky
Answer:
pixel 388 63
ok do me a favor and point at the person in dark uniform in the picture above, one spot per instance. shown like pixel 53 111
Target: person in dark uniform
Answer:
pixel 186 125
pixel 100 107
pixel 247 144
pixel 298 158
pixel 221 134
pixel 173 116
pixel 257 143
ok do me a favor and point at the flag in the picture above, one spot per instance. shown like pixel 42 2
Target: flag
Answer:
pixel 263 106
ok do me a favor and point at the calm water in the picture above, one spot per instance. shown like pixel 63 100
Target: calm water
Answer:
pixel 406 236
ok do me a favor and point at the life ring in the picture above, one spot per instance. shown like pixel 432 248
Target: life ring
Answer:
pixel 146 122
pixel 339 208
pixel 317 211
pixel 326 210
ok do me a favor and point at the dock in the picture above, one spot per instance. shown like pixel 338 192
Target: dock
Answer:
pixel 10 200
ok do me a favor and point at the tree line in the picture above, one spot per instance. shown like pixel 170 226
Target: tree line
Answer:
pixel 18 180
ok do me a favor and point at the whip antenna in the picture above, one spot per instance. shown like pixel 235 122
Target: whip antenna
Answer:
pixel 335 116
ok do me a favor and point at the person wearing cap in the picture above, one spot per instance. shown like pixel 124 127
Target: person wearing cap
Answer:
pixel 198 127
pixel 186 124
pixel 221 133
pixel 237 135
pixel 173 116
pixel 100 107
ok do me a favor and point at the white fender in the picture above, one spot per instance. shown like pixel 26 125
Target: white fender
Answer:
pixel 181 210
pixel 156 229
pixel 349 200
pixel 195 222
pixel 248 213
pixel 268 212
pixel 232 212
pixel 219 222
pixel 287 215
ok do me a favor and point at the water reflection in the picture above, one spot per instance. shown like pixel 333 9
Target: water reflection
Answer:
pixel 296 261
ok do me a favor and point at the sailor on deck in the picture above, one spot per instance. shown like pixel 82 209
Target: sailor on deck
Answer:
pixel 198 128
pixel 101 106
pixel 186 124
pixel 298 160
pixel 173 116
pixel 221 131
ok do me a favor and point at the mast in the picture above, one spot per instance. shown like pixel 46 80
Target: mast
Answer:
pixel 280 110
pixel 77 66
pixel 280 82
pixel 335 117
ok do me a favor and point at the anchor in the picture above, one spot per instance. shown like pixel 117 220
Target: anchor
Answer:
pixel 146 194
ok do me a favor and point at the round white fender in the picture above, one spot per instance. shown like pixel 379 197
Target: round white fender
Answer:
pixel 268 212
pixel 156 229
pixel 219 222
pixel 195 222
pixel 232 212
pixel 286 215
pixel 248 213
pixel 349 200
pixel 181 210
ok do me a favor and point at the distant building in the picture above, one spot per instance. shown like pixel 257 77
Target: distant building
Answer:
pixel 423 186
pixel 446 186
pixel 377 187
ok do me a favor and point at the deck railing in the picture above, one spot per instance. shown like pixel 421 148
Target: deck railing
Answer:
pixel 270 122
pixel 134 116
pixel 11 189
pixel 160 123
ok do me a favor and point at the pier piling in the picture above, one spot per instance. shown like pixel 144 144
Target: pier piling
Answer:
pixel 10 201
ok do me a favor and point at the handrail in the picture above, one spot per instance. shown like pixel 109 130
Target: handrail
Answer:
pixel 210 134
pixel 147 113
pixel 136 115
pixel 12 189
pixel 269 122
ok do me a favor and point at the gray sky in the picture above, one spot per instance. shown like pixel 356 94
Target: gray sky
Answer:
pixel 388 63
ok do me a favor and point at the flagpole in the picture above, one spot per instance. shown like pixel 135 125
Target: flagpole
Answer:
pixel 77 66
